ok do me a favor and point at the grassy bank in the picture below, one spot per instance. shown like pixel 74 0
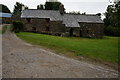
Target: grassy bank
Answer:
pixel 4 29
pixel 100 49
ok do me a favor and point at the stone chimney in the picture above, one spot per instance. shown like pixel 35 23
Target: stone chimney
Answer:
pixel 61 9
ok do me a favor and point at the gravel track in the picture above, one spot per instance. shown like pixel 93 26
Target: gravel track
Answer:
pixel 23 60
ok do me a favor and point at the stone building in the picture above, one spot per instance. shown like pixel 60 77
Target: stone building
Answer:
pixel 56 22
pixel 5 18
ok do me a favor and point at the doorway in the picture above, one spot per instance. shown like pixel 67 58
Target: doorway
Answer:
pixel 80 33
pixel 71 32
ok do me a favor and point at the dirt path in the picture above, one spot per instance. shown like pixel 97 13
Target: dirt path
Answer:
pixel 22 60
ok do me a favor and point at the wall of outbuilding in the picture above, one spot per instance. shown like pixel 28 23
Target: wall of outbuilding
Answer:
pixel 6 20
pixel 75 31
pixel 43 26
pixel 94 30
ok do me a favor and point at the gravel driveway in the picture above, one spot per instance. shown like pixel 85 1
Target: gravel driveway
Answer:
pixel 22 60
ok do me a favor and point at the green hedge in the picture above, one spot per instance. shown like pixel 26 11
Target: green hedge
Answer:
pixel 18 26
pixel 112 31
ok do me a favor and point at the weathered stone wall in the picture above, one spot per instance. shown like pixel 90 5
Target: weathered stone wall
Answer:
pixel 57 28
pixel 6 20
pixel 73 31
pixel 94 30
pixel 44 26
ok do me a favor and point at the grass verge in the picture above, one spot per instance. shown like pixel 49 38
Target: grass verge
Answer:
pixel 99 49
pixel 4 29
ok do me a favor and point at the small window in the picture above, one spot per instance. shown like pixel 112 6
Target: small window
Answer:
pixel 28 20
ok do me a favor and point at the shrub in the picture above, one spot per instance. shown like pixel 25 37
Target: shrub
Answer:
pixel 4 29
pixel 11 28
pixel 17 26
pixel 112 31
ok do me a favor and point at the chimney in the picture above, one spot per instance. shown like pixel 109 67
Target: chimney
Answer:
pixel 61 9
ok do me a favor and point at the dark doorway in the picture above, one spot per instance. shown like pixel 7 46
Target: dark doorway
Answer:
pixel 71 32
pixel 80 33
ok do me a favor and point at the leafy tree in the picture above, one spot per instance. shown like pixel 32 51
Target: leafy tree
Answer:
pixel 112 19
pixel 99 14
pixel 52 5
pixel 74 12
pixel 84 13
pixel 18 26
pixel 41 6
pixel 18 8
pixel 4 8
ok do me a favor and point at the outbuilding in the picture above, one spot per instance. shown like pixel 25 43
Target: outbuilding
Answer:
pixel 57 22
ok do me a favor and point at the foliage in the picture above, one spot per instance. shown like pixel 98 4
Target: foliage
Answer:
pixel 112 18
pixel 41 6
pixel 17 26
pixel 4 8
pixel 112 31
pixel 4 29
pixel 18 8
pixel 11 28
pixel 74 12
pixel 99 49
pixel 52 5
pixel 99 14
pixel 84 13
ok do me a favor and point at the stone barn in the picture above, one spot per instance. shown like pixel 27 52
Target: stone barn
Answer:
pixel 5 18
pixel 56 22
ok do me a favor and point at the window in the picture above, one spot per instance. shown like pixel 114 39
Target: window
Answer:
pixel 28 20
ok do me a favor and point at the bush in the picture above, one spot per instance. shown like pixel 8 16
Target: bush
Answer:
pixel 112 31
pixel 11 28
pixel 17 26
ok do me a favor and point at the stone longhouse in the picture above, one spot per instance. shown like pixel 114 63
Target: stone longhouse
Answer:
pixel 5 18
pixel 57 22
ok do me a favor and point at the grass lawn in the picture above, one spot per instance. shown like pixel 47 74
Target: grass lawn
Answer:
pixel 100 49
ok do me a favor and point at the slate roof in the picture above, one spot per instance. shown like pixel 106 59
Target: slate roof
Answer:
pixel 5 14
pixel 70 20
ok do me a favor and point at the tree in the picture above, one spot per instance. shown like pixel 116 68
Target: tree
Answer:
pixel 18 8
pixel 52 5
pixel 4 8
pixel 99 14
pixel 74 12
pixel 112 19
pixel 41 6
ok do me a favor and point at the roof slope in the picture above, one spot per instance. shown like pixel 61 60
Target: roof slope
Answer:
pixel 5 14
pixel 69 20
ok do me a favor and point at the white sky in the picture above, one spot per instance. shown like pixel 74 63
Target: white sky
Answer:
pixel 88 6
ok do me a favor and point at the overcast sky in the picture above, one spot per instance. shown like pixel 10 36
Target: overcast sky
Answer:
pixel 88 6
